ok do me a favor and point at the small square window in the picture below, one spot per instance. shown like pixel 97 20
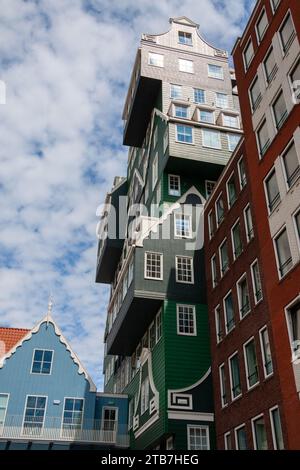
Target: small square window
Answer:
pixel 184 38
pixel 184 134
pixel 198 438
pixel 42 361
pixel 186 66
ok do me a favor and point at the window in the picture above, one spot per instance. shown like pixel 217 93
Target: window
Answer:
pixel 248 54
pixel 153 266
pixel 293 316
pixel 276 429
pixel 273 195
pixel 279 110
pixel 295 80
pixel 165 144
pixel 130 414
pixel 211 224
pixel 243 297
pixel 242 173
pixel 224 259
pixel 233 140
pixel 215 71
pixel 218 320
pixel 181 111
pixel 199 95
pixel 145 395
pixel 248 224
pixel 259 434
pixel 228 441
pixel 263 138
pixel 41 361
pixel 211 139
pixel 270 66
pixel 251 363
pixel 230 121
pixel 176 91
pixel 169 443
pixel 184 134
pixel 220 210
pixel 184 38
pixel 198 437
pixel 174 185
pixel 297 223
pixel 152 336
pixel 235 379
pixel 275 4
pixel 291 165
pixel 206 116
pixel 186 320
pixel 229 313
pixel 222 374
pixel 209 187
pixel 183 226
pixel 287 33
pixel 186 65
pixel 283 251
pixel 158 326
pixel 155 171
pixel 3 408
pixel 237 240
pixel 109 420
pixel 221 100
pixel 255 94
pixel 156 59
pixel 241 438
pixel 34 415
pixel 73 413
pixel 261 25
pixel 266 351
pixel 231 191
pixel 256 282
pixel 184 269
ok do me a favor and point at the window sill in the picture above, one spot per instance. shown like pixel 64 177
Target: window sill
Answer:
pixel 295 266
pixel 181 142
pixel 253 387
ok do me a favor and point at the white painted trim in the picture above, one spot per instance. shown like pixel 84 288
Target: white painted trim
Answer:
pixel 161 266
pixel 297 230
pixel 216 147
pixel 185 105
pixel 180 215
pixel 232 175
pixel 192 269
pixel 32 360
pixel 179 185
pixel 287 319
pixel 147 425
pixel 111 395
pixel 285 150
pixel 218 307
pixel 288 12
pixel 212 259
pixel 213 76
pixel 242 277
pixel 272 6
pixel 191 426
pixel 210 227
pixel 175 97
pixel 25 407
pixel 222 390
pixel 272 425
pixel 63 410
pixel 230 375
pixel 273 169
pixel 108 407
pixel 5 413
pixel 232 239
pixel 190 387
pixel 225 440
pixel 247 65
pixel 235 434
pixel 194 319
pixel 261 415
pixel 248 206
pixel 262 13
pixel 275 237
pixel 180 59
pixel 202 108
pixel 216 209
pixel 157 54
pixel 220 257
pixel 262 350
pixel 249 387
pixel 191 416
pixel 250 95
pixel 225 312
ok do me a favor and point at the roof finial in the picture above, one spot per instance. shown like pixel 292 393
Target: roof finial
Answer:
pixel 50 305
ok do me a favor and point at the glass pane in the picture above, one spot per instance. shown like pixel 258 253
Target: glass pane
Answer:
pixel 260 434
pixel 277 429
pixel 283 248
pixel 267 353
pixel 291 164
pixel 251 363
pixel 241 439
pixel 286 31
pixel 38 355
pixel 48 356
pixel 262 25
pixel 279 108
pixel 272 189
pixel 270 63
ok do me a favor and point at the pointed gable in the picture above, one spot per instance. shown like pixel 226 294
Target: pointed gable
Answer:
pixel 184 20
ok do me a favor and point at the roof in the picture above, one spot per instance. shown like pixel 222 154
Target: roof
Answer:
pixel 9 337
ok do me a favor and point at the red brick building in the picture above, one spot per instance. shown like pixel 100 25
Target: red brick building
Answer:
pixel 263 407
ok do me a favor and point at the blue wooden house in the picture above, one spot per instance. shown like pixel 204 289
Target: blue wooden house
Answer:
pixel 47 398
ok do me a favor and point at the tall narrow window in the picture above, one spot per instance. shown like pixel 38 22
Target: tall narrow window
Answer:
pixel 145 395
pixel 231 191
pixel 241 438
pixel 287 33
pixel 221 100
pixel 184 269
pixel 155 171
pixel 263 138
pixel 280 110
pixel 237 240
pixel 109 419
pixel 284 255
pixel 176 91
pixel 184 134
pixel 261 25
pixel 242 173
pixel 291 165
pixel 183 225
pixel 198 437
pixel 266 352
pixel 186 65
pixel 41 361
pixel 224 259
pixel 215 71
pixel 174 185
pixel 243 297
pixel 224 400
pixel 235 379
pixel 229 313
pixel 186 320
pixel 228 441
pixel 34 415
pixel 184 38
pixel 272 190
pixel 153 266
pixel 211 224
pixel 256 282
pixel 218 320
pixel 220 210
pixel 199 96
pixel 259 434
pixel 255 94
pixel 276 429
pixel 248 54
pixel 249 224
pixel 270 66
pixel 251 363
pixel 214 272
pixel 156 59
pixel 294 329
pixel 3 408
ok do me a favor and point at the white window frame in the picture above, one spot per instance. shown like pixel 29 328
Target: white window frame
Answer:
pixel 209 181
pixel 261 415
pixel 225 440
pixel 219 332
pixel 243 276
pixel 228 140
pixel 211 228
pixel 5 413
pixel 253 282
pixel 193 426
pixel 145 389
pixel 217 147
pixel 180 215
pixel 155 170
pixel 249 233
pixel 288 13
pixel 235 256
pixel 165 140
pixel 181 61
pixel 222 273
pixel 106 407
pixel 222 391
pixel 247 65
pixel 216 100
pixel 262 350
pixel 155 54
pixel 178 306
pixel 214 281
pixel 249 387
pixel 267 78
pixel 169 185
pixel 236 432
pixel 186 106
pixel 161 266
pixel 24 413
pixel 297 230
pixel 178 96
pixel 212 75
pixel 190 258
pixel 230 376
pixel 254 105
pixel 225 313
pixel 288 323
pixel 275 237
pixel 231 203
pixel 182 141
pixel 199 102
pixel 32 360
pixel 268 202
pixel 262 13
pixel 273 427
pixel 286 149
pixel 218 222
pixel 200 109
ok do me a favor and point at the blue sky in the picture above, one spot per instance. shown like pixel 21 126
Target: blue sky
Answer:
pixel 66 65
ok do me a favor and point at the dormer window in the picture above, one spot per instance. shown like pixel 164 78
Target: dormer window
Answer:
pixel 185 38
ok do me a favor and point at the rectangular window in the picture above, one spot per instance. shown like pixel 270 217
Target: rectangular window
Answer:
pixel 257 289
pixel 237 243
pixel 214 271
pixel 198 437
pixel 184 134
pixel 206 116
pixel 251 363
pixel 186 320
pixel 181 111
pixel 241 438
pixel 266 351
pixel 34 415
pixel 169 443
pixel 248 223
pixel 248 54
pixel 273 194
pixel 297 223
pixel 276 429
pixel 229 313
pixel 259 434
pixel 3 408
pixel 218 320
pixel 215 71
pixel 109 420
pixel 255 94
pixel 209 187
pixel 211 224
pixel 165 144
pixel 263 138
pixel 130 414
pixel 155 171
pixel 287 33
pixel 275 4
pixel 224 259
pixel 145 395
pixel 153 266
pixel 221 100
pixel 293 316
pixel 291 165
pixel 73 413
pixel 186 65
pixel 184 38
pixel 235 379
pixel 295 80
pixel 174 185
pixel 176 91
pixel 283 251
pixel 231 191
pixel 230 121
pixel 199 96
pixel 242 173
pixel 233 140
pixel 156 59
pixel 41 361
pixel 270 66
pixel 279 110
pixel 228 441
pixel 152 335
pixel 222 374
pixel 158 326
pixel 211 139
pixel 183 225
pixel 184 269
pixel 262 25
pixel 243 297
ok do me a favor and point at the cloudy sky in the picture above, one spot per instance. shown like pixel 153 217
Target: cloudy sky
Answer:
pixel 66 65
